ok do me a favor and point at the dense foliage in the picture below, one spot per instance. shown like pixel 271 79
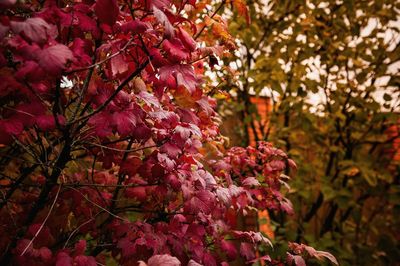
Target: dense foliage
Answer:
pixel 331 72
pixel 110 148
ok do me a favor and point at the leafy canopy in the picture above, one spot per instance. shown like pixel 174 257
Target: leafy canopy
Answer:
pixel 104 120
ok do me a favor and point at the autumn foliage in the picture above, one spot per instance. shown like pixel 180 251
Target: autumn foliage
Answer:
pixel 110 148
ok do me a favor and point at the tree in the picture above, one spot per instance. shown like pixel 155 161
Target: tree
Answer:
pixel 104 125
pixel 330 69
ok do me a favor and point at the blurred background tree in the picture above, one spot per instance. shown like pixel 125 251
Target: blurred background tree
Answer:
pixel 328 72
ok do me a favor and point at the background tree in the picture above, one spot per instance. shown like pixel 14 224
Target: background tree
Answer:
pixel 330 69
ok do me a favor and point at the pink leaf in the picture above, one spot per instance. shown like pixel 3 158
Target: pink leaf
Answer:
pixel 54 58
pixel 161 3
pixel 298 260
pixel 327 255
pixel 35 29
pixel 224 196
pixel 258 237
pixel 320 254
pixel 163 260
pixel 193 263
pixel 292 164
pixel 163 19
pixel 247 251
pixel 250 181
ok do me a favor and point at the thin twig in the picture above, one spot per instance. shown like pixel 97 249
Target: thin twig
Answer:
pixel 80 226
pixel 45 220
pixel 98 206
pixel 121 150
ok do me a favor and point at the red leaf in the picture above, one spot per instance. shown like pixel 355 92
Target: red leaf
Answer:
pixel 127 247
pixel 30 71
pixel 11 127
pixel 63 259
pixel 138 193
pixel 84 261
pixel 229 248
pixel 7 3
pixel 175 49
pixel 80 247
pixel 101 124
pixel 203 202
pixel 171 149
pixel 205 105
pixel 179 75
pixel 54 58
pixel 118 65
pixel 45 253
pixel 130 166
pixel 107 11
pixel 186 39
pixel 125 122
pixel 173 181
pixel 81 49
pixel 134 27
pixel 209 260
pixel 47 122
pixel 35 29
pixel 3 30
